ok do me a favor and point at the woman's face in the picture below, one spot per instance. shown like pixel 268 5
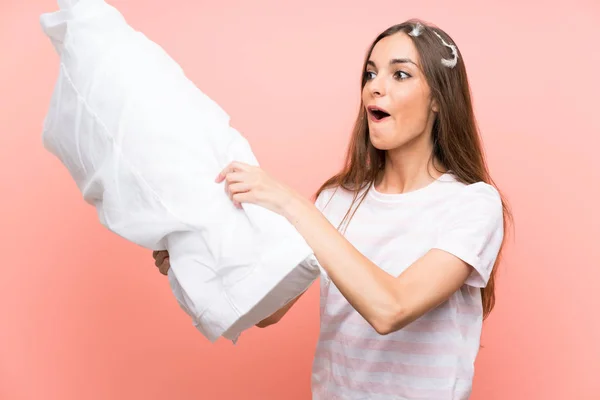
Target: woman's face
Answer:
pixel 396 95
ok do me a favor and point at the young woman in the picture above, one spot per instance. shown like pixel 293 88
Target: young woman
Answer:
pixel 408 234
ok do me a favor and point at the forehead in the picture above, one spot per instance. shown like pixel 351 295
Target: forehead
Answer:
pixel 398 45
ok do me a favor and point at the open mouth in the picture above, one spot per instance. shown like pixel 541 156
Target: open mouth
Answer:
pixel 377 113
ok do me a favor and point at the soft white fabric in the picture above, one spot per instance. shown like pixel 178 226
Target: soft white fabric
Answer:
pixel 144 146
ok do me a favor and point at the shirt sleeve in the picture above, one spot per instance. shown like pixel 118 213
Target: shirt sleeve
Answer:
pixel 323 199
pixel 473 230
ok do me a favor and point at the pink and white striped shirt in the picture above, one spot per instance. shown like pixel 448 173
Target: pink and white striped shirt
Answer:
pixel 433 357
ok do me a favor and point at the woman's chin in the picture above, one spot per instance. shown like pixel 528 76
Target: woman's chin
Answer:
pixel 378 142
pixel 379 145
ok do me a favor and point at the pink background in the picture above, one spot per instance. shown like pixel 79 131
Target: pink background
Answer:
pixel 85 315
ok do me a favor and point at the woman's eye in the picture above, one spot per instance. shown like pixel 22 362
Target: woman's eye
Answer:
pixel 401 75
pixel 369 75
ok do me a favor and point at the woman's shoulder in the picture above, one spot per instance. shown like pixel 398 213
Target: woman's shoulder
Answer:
pixel 326 194
pixel 335 194
pixel 475 191
pixel 473 200
pixel 480 192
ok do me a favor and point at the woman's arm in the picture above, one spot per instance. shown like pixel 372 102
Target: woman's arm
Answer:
pixel 388 303
pixel 161 260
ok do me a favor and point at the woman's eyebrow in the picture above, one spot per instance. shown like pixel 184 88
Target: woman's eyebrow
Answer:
pixel 395 61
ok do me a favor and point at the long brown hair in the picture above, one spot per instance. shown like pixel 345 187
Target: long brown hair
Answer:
pixel 455 135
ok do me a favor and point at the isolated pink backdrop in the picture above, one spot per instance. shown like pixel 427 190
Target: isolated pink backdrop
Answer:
pixel 85 315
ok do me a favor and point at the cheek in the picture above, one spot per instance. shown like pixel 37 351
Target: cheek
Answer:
pixel 411 107
pixel 364 95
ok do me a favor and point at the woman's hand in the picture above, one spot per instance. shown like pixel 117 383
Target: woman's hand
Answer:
pixel 246 183
pixel 161 260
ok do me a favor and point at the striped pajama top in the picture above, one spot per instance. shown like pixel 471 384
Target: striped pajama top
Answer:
pixel 433 357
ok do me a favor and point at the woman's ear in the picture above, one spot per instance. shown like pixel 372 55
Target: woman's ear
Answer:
pixel 434 106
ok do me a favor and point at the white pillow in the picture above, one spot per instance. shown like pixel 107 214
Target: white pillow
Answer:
pixel 144 146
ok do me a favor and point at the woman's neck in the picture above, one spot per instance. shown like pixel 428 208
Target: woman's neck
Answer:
pixel 405 171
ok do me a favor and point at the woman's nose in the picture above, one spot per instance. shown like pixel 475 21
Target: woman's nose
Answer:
pixel 377 86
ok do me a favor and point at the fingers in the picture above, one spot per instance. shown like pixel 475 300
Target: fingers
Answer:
pixel 242 197
pixel 235 189
pixel 235 184
pixel 164 267
pixel 233 177
pixel 159 253
pixel 239 187
pixel 235 166
pixel 237 178
pixel 160 258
